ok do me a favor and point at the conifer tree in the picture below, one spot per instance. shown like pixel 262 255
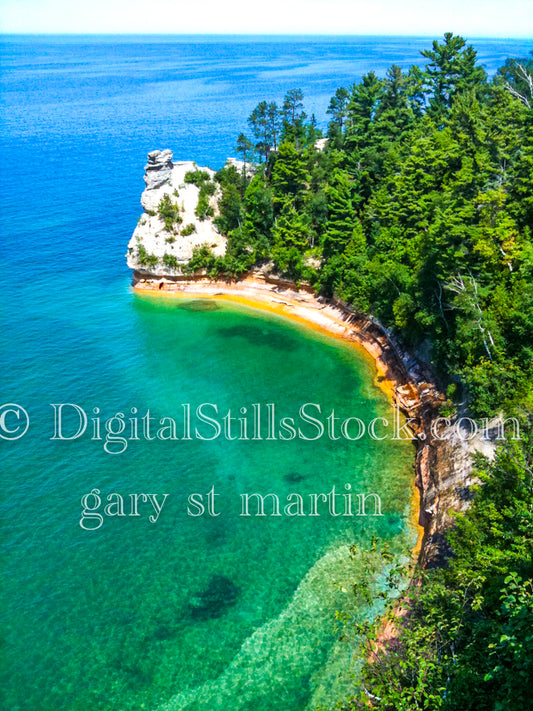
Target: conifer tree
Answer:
pixel 290 237
pixel 451 69
pixel 341 216
pixel 289 175
pixel 293 116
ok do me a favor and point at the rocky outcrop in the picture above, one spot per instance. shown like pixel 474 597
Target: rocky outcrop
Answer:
pixel 158 169
pixel 249 168
pixel 168 232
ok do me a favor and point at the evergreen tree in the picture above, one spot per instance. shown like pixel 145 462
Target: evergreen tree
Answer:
pixel 362 108
pixel 451 69
pixel 274 123
pixel 289 175
pixel 337 108
pixel 259 217
pixel 290 240
pixel 245 147
pixel 260 123
pixel 341 216
pixel 293 116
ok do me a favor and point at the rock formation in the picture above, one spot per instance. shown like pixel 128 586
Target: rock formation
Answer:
pixel 169 229
pixel 158 169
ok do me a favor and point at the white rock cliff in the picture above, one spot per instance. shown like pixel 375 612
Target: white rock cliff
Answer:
pixel 156 249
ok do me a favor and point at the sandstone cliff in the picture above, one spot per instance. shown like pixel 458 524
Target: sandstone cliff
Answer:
pixel 170 227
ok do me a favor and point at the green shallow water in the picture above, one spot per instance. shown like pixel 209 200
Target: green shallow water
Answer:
pixel 222 612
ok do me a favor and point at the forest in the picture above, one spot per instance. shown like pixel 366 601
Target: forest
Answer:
pixel 416 207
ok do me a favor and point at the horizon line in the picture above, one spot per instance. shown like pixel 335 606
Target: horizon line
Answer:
pixel 525 38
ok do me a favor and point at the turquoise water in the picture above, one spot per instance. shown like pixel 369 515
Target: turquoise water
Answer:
pixel 237 612
pixel 211 612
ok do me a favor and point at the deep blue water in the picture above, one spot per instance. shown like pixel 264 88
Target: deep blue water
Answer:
pixel 79 116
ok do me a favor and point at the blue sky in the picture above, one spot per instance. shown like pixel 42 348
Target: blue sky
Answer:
pixel 471 18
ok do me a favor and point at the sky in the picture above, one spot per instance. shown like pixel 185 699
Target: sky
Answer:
pixel 429 18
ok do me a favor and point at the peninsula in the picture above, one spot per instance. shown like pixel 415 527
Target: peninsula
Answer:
pixel 407 230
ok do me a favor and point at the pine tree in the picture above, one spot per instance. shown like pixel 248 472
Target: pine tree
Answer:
pixel 260 123
pixel 290 240
pixel 259 217
pixel 341 216
pixel 293 116
pixel 289 175
pixel 451 69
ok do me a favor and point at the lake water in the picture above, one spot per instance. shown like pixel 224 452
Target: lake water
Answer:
pixel 219 612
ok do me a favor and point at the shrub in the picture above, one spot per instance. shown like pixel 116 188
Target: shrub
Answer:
pixel 169 212
pixel 145 259
pixel 188 229
pixel 202 258
pixel 169 260
pixel 197 177
pixel 203 208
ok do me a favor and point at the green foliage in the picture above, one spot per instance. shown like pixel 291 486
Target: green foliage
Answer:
pixel 341 215
pixel 245 147
pixel 232 265
pixel 230 210
pixel 202 259
pixel 188 229
pixel 203 209
pixel 338 110
pixel 169 212
pixel 197 177
pixel 144 258
pixel 169 260
pixel 289 175
pixel 290 241
pixel 451 70
pixel 265 122
pixel 468 641
pixel 419 211
pixel 293 117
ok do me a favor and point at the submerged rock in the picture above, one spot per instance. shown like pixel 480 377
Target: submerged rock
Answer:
pixel 214 600
pixel 200 305
pixel 293 477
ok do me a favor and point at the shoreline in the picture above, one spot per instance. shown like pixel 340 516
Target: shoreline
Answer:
pixel 393 375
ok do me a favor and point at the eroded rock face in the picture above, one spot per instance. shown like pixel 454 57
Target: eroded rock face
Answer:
pixel 158 248
pixel 158 169
pixel 157 177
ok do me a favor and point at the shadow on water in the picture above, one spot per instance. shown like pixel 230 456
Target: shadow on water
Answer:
pixel 214 600
pixel 147 303
pixel 259 335
pixel 293 477
pixel 199 305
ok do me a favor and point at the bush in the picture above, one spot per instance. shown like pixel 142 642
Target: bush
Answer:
pixel 202 258
pixel 203 209
pixel 188 229
pixel 144 258
pixel 169 212
pixel 197 177
pixel 169 260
